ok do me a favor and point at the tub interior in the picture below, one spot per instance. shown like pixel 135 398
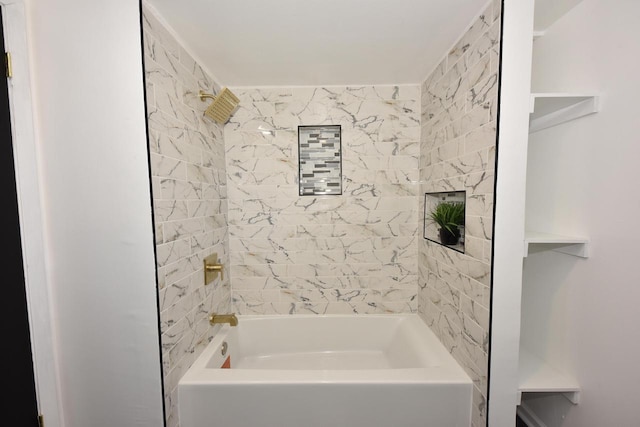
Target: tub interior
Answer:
pixel 322 360
pixel 362 343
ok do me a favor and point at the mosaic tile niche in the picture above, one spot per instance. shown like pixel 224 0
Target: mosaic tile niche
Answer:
pixel 319 151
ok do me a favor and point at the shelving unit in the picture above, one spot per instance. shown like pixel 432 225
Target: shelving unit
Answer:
pixel 534 296
pixel 537 376
pixel 551 109
pixel 571 245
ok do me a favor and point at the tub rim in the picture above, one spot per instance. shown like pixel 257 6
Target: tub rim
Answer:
pixel 449 372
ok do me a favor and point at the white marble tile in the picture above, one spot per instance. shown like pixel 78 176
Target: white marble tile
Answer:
pixel 480 138
pixel 478 73
pixel 485 44
pixel 475 312
pixel 189 188
pixel 154 29
pixel 170 210
pixel 337 240
pixel 487 254
pixel 474 247
pixel 479 182
pixel 175 230
pixel 165 124
pixel 479 227
pixel 497 9
pixel 465 164
pixel 177 148
pixel 477 374
pixel 479 409
pixel 163 82
pixel 168 253
pixel 484 92
pixel 474 119
pixel 459 101
pixel 481 24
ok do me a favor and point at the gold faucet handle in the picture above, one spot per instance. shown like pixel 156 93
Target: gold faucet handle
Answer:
pixel 211 269
pixel 216 267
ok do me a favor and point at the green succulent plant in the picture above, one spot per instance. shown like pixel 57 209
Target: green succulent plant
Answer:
pixel 448 215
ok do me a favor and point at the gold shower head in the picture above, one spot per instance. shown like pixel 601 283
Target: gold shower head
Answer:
pixel 222 106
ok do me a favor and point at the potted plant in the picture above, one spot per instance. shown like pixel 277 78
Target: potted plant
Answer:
pixel 449 216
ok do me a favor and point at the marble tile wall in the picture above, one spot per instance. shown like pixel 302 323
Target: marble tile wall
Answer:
pixel 349 253
pixel 457 152
pixel 189 201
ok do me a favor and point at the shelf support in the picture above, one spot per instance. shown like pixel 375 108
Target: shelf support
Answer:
pixel 574 397
pixel 576 246
pixel 549 110
pixel 580 250
pixel 576 249
pixel 571 396
pixel 538 34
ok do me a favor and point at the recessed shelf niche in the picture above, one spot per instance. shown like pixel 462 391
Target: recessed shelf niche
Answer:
pixel 445 208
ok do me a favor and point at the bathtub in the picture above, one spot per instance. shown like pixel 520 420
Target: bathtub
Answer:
pixel 325 371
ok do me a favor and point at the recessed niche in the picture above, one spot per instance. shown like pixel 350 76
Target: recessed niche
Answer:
pixel 320 160
pixel 444 216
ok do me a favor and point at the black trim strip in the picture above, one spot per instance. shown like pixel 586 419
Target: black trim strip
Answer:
pixel 495 198
pixel 153 221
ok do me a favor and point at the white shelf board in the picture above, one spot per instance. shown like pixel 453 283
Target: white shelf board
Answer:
pixel 551 109
pixel 571 245
pixel 537 376
pixel 538 34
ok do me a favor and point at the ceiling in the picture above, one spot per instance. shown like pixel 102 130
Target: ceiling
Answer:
pixel 318 42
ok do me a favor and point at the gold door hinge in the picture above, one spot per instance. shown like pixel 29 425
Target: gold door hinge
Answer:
pixel 7 64
pixel 41 420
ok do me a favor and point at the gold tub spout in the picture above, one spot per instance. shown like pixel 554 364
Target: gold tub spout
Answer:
pixel 231 319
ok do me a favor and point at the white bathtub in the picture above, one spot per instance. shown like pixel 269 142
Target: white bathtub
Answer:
pixel 326 371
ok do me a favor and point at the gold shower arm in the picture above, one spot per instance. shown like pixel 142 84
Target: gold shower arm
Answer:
pixel 203 95
pixel 222 106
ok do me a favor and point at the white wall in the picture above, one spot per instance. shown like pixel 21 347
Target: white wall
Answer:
pixel 90 124
pixel 582 178
pixel 509 211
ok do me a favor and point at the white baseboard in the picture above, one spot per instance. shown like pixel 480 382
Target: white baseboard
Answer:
pixel 529 417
